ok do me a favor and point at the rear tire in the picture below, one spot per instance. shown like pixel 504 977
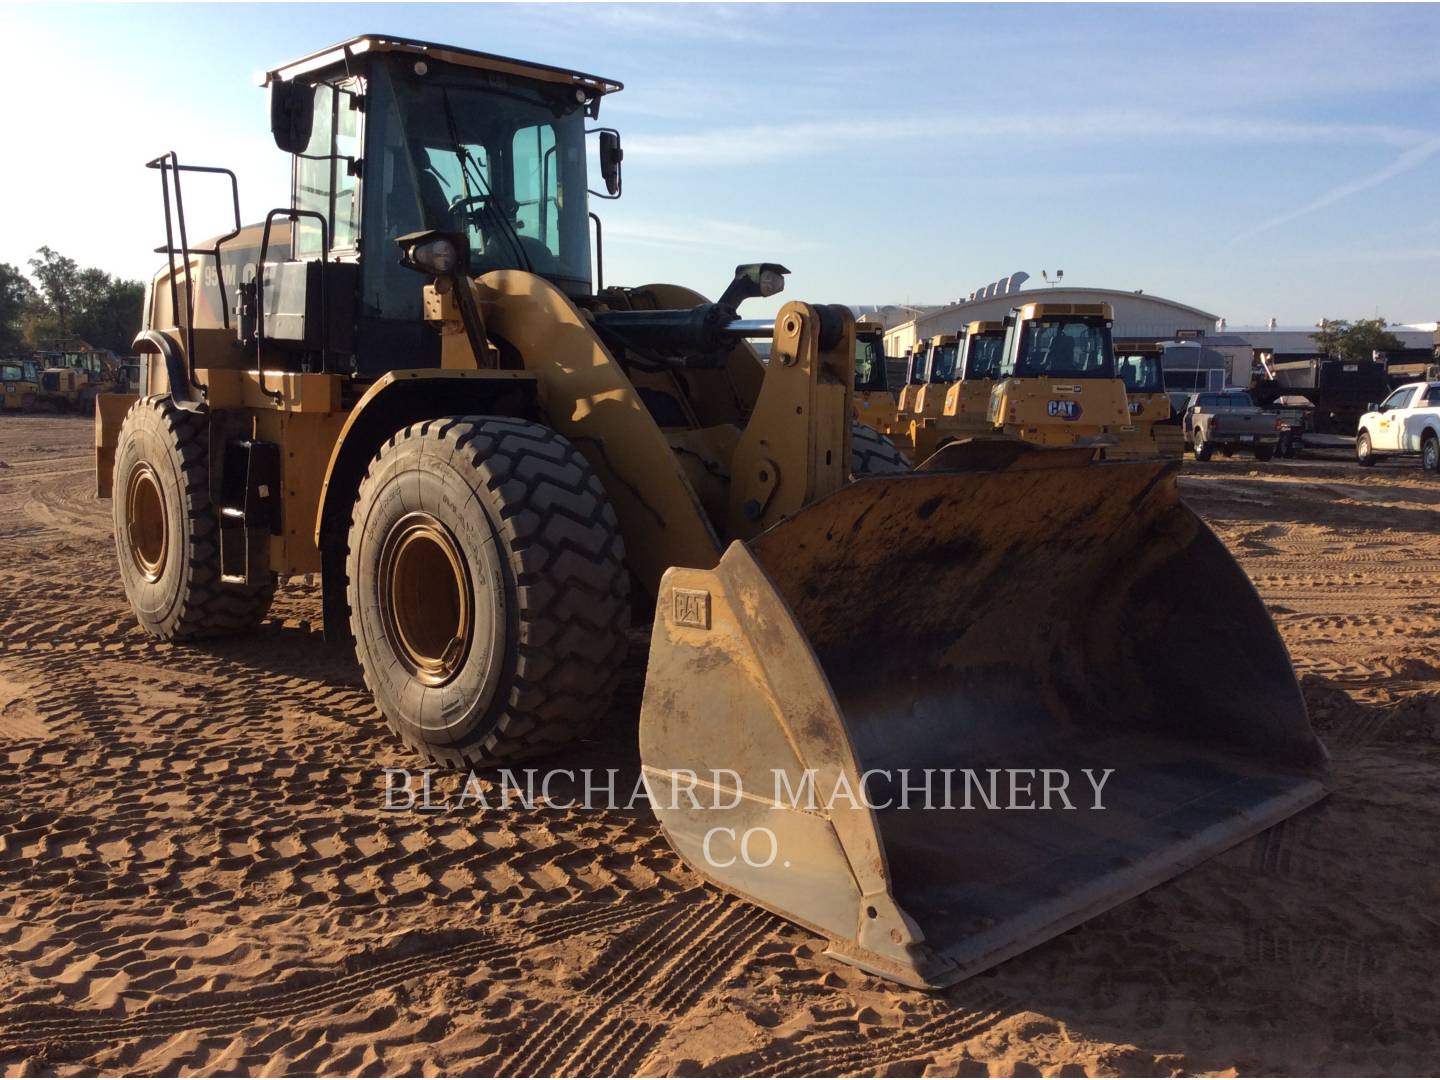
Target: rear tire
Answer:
pixel 167 534
pixel 1430 454
pixel 1364 451
pixel 871 453
pixel 1202 448
pixel 1264 453
pixel 489 598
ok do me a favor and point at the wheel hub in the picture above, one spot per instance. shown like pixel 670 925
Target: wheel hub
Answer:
pixel 426 607
pixel 147 531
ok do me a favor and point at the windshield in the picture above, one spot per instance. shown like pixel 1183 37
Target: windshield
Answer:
pixel 500 160
pixel 943 365
pixel 1141 372
pixel 984 353
pixel 1069 347
pixel 869 363
pixel 11 373
pixel 917 368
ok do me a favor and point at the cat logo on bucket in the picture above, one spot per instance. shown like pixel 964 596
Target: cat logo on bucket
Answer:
pixel 1065 410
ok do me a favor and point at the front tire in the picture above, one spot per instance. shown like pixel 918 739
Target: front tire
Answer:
pixel 1364 450
pixel 167 533
pixel 489 598
pixel 1264 453
pixel 871 453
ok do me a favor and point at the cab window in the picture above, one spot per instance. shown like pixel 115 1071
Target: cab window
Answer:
pixel 325 173
pixel 536 185
pixel 869 364
pixel 1141 372
pixel 1066 347
pixel 1400 399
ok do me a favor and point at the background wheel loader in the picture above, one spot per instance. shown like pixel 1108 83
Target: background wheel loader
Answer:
pixel 931 361
pixel 20 384
pixel 942 368
pixel 964 410
pixel 408 383
pixel 67 389
pixel 875 402
pixel 917 367
pixel 1154 429
pixel 872 449
pixel 1058 385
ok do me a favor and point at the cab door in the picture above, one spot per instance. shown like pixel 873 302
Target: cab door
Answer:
pixel 1412 425
pixel 1390 427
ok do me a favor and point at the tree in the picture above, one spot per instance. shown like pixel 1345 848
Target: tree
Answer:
pixel 75 302
pixel 56 274
pixel 17 299
pixel 1341 339
pixel 108 310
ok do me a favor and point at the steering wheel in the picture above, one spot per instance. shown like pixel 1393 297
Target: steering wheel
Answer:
pixel 465 203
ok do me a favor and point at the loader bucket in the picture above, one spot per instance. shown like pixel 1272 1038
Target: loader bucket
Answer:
pixel 823 709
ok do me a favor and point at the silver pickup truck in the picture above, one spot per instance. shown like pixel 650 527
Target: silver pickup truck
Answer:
pixel 1227 421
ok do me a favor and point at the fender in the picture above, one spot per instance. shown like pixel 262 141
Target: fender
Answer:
pixel 154 342
pixel 397 398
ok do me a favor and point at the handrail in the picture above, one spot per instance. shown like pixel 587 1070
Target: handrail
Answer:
pixel 294 215
pixel 166 163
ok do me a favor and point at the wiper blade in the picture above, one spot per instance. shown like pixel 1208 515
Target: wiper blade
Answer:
pixel 467 161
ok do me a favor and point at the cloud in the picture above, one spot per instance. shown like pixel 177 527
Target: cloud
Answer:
pixel 735 24
pixel 1410 159
pixel 700 233
pixel 770 142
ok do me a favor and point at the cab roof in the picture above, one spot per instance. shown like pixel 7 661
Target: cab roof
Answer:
pixel 595 85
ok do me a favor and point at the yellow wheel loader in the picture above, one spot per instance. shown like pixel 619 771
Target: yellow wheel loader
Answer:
pixel 67 388
pixel 1154 429
pixel 20 383
pixel 964 410
pixel 917 368
pixel 408 382
pixel 1057 383
pixel 928 401
pixel 875 402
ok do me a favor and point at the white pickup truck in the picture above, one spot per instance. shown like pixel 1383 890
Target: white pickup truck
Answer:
pixel 1407 422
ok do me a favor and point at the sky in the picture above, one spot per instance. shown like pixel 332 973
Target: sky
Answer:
pixel 1272 161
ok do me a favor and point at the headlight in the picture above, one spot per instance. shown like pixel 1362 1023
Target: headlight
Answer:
pixel 771 282
pixel 432 252
pixel 434 256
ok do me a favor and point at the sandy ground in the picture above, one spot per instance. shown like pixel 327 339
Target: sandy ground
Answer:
pixel 196 875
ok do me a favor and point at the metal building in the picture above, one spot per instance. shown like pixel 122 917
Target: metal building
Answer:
pixel 1139 317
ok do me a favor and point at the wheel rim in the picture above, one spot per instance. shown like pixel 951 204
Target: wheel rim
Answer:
pixel 1364 447
pixel 426 606
pixel 146 530
pixel 1432 455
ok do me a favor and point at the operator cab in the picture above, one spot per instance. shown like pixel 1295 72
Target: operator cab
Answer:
pixel 1141 367
pixel 388 138
pixel 870 373
pixel 944 357
pixel 392 137
pixel 1059 341
pixel 982 350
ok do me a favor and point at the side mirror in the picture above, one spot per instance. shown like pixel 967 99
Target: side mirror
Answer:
pixel 610 158
pixel 1374 406
pixel 292 115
